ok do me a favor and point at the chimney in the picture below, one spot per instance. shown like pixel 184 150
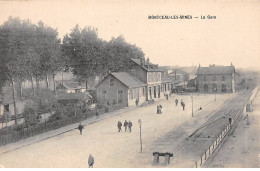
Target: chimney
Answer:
pixel 142 61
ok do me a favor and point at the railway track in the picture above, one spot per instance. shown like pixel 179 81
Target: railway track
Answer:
pixel 206 134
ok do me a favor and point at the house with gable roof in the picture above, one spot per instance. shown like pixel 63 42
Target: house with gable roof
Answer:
pixel 142 81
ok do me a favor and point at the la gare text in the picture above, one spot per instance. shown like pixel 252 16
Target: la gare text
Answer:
pixel 181 17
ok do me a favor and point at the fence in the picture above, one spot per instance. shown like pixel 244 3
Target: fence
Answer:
pixel 15 134
pixel 223 133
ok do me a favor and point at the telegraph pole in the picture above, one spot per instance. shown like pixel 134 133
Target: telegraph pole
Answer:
pixel 192 105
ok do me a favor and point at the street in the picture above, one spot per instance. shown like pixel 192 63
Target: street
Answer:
pixel 111 148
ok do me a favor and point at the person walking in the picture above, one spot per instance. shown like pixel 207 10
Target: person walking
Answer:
pixel 125 125
pixel 80 128
pixel 130 125
pixel 247 120
pixel 90 161
pixel 97 114
pixel 176 102
pixel 119 125
pixel 136 102
pixel 230 121
pixel 183 105
pixel 160 109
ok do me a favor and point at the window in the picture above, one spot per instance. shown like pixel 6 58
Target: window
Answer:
pixel 120 96
pixel 103 95
pixel 214 78
pixel 159 76
pixel 169 86
pixel 112 82
pixel 143 91
pixel 165 87
pixel 223 78
pixel 204 78
pixel 130 94
pixel 149 77
pixel 77 91
pixel 6 108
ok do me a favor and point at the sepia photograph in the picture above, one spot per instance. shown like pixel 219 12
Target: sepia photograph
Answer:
pixel 129 84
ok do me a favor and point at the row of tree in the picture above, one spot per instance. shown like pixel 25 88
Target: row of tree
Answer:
pixel 33 51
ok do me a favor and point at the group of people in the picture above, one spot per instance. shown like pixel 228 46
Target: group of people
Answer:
pixel 182 103
pixel 127 125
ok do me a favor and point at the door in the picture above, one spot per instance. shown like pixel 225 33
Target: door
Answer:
pixel 150 92
pixel 120 96
pixel 159 91
pixel 215 88
pixel 224 88
pixel 154 89
pixel 206 88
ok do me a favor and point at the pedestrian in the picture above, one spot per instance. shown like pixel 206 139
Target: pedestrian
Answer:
pixel 157 109
pixel 90 161
pixel 136 102
pixel 167 96
pixel 176 102
pixel 80 128
pixel 160 108
pixel 97 114
pixel 125 125
pixel 183 105
pixel 230 120
pixel 119 125
pixel 130 125
pixel 247 120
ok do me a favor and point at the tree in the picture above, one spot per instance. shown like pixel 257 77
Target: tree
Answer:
pixel 118 52
pixel 14 38
pixel 47 48
pixel 90 56
pixel 83 50
pixel 30 113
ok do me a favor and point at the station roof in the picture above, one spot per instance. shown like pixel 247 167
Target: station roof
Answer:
pixel 215 70
pixel 128 79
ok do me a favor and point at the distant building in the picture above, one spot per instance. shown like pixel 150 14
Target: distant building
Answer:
pixel 179 75
pixel 142 81
pixel 216 79
pixel 75 98
pixel 7 103
pixel 70 86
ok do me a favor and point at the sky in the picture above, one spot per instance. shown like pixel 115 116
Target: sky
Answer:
pixel 234 36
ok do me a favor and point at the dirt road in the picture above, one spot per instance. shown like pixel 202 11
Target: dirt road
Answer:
pixel 102 139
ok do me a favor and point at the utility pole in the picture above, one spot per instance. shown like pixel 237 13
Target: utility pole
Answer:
pixel 192 105
pixel 140 124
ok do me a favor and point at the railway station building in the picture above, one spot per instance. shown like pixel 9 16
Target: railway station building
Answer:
pixel 215 79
